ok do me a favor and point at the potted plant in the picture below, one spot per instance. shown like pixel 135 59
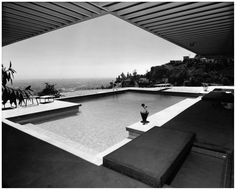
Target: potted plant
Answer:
pixel 205 86
pixel 144 114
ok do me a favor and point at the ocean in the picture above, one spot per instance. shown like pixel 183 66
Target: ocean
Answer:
pixel 64 85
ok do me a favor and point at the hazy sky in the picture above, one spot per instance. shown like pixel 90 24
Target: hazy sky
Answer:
pixel 100 47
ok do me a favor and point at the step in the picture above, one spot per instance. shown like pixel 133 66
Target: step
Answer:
pixel 154 157
pixel 204 169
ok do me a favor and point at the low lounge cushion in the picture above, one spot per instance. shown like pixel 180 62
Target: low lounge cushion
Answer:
pixel 154 157
pixel 219 96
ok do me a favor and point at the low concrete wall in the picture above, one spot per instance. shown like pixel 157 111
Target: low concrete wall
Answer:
pixel 86 97
pixel 45 114
pixel 185 94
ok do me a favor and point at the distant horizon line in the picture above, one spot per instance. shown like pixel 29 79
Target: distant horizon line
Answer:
pixel 15 79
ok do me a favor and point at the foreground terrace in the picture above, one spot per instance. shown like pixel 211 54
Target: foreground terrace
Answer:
pixel 57 162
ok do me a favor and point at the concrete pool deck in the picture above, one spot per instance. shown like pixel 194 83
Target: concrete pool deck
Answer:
pixel 30 162
pixel 160 118
pixel 195 89
pixel 58 141
pixel 180 89
pixel 22 174
pixel 66 144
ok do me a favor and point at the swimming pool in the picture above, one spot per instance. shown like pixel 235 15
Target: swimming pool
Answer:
pixel 101 122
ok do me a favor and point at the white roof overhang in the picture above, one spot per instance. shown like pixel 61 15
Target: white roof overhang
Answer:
pixel 205 28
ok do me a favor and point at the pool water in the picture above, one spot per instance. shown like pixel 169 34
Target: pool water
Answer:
pixel 101 122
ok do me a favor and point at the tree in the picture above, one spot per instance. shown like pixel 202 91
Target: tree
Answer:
pixel 50 90
pixel 7 74
pixel 147 75
pixel 118 79
pixel 134 73
pixel 11 94
pixel 123 76
pixel 128 75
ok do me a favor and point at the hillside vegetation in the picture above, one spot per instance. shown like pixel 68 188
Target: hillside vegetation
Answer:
pixel 194 72
pixel 189 72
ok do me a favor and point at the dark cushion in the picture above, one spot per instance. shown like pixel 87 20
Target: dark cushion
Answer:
pixel 219 96
pixel 153 157
pixel 224 89
pixel 213 125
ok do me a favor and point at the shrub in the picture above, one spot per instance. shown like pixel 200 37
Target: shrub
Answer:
pixel 11 94
pixel 50 90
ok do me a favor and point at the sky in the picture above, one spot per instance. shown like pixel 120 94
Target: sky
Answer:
pixel 102 47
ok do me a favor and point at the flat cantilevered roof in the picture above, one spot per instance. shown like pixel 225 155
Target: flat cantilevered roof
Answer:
pixel 205 28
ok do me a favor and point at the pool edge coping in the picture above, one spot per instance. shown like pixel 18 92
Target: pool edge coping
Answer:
pixel 159 118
